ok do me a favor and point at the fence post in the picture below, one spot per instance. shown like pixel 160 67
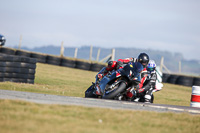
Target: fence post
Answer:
pixel 90 52
pixel 75 53
pixel 98 53
pixel 113 54
pixel 179 66
pixel 161 64
pixel 20 42
pixel 62 49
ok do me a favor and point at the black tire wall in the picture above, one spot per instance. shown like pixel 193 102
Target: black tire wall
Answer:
pixel 96 67
pixel 17 68
pixel 184 80
pixel 196 81
pixel 181 80
pixel 165 77
pixel 83 65
pixel 53 60
pixel 172 79
pixel 68 63
pixel 41 58
pixel 7 51
pixel 23 53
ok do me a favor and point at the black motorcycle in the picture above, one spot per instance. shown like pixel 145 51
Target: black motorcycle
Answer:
pixel 118 85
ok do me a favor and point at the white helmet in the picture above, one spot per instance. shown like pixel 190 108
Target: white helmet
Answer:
pixel 151 65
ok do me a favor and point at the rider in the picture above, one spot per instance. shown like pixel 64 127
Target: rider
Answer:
pixel 143 58
pixel 2 40
pixel 148 82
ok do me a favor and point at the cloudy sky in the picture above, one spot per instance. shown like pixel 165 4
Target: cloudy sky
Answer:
pixel 167 25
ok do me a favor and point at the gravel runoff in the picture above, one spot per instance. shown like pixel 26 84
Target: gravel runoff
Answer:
pixel 91 102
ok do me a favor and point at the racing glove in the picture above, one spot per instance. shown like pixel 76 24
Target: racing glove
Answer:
pixel 100 76
pixel 119 65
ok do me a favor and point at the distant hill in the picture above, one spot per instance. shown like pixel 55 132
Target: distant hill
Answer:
pixel 171 60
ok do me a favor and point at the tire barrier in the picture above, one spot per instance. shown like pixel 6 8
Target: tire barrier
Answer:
pixel 53 60
pixel 23 53
pixel 41 58
pixel 185 81
pixel 96 67
pixel 172 79
pixel 68 62
pixel 195 97
pixel 165 77
pixel 196 81
pixel 17 69
pixel 83 65
pixel 181 80
pixel 7 51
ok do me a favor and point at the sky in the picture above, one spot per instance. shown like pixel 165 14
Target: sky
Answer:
pixel 166 25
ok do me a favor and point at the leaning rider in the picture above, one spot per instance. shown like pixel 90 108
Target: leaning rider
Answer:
pixel 143 58
pixel 148 82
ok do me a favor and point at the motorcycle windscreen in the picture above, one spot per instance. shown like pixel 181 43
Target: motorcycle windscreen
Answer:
pixel 103 83
pixel 136 68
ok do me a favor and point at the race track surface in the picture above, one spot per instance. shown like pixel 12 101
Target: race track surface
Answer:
pixel 89 102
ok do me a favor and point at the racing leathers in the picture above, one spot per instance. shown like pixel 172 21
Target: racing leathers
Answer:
pixel 114 65
pixel 147 85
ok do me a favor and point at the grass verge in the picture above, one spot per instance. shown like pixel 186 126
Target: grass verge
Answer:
pixel 26 117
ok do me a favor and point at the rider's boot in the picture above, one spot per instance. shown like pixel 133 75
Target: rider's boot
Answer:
pixel 147 98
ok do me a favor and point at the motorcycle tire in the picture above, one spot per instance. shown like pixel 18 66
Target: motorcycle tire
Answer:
pixel 8 51
pixel 23 53
pixel 115 92
pixel 89 92
pixel 41 58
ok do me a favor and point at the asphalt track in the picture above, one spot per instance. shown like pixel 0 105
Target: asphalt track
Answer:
pixel 89 102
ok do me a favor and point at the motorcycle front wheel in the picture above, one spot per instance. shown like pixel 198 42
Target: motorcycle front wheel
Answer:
pixel 115 92
pixel 89 93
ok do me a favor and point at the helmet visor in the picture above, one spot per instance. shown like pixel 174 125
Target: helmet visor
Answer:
pixel 150 68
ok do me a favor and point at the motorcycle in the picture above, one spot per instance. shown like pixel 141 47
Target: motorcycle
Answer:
pixel 118 85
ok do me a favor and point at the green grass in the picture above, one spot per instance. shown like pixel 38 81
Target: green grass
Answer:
pixel 26 117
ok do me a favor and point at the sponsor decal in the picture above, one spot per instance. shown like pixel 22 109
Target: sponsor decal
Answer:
pixel 118 74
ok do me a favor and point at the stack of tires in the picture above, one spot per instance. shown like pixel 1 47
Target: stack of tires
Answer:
pixel 23 53
pixel 96 67
pixel 81 64
pixel 8 51
pixel 181 79
pixel 17 69
pixel 55 60
pixel 68 62
pixel 41 58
